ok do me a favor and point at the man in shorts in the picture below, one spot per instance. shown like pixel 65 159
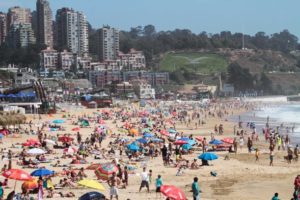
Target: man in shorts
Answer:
pixel 112 182
pixel 145 180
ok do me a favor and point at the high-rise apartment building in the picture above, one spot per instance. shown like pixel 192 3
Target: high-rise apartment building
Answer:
pixel 108 43
pixel 17 15
pixel 3 29
pixel 72 31
pixel 44 23
pixel 21 35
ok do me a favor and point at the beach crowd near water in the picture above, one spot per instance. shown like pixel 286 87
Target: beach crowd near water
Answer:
pixel 163 150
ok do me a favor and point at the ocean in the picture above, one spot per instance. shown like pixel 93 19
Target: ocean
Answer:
pixel 287 114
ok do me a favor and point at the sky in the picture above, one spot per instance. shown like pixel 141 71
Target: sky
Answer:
pixel 212 16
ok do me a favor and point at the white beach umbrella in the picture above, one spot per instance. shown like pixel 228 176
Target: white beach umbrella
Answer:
pixel 50 141
pixel 36 151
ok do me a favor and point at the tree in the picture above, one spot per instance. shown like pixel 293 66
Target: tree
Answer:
pixel 240 78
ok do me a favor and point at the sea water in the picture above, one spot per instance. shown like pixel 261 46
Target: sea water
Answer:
pixel 276 115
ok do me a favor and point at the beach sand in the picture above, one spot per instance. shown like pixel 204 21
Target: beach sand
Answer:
pixel 238 178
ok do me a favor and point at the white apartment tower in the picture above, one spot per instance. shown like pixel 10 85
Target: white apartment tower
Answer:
pixel 108 43
pixel 72 31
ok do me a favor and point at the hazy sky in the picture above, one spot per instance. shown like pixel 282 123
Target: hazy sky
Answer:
pixel 211 16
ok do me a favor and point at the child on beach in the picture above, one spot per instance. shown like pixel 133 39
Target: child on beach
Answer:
pixel 158 183
pixel 257 155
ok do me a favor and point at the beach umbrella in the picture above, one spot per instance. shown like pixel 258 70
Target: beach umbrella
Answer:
pixel 208 156
pixel 42 172
pixel 164 132
pixel 92 196
pixel 101 121
pixel 50 141
pixel 172 192
pixel 185 139
pixel 149 135
pixel 65 139
pixel 142 140
pixel 70 150
pixel 36 151
pixel 228 140
pixel 215 142
pixel 105 171
pixel 172 131
pixel 58 121
pixel 199 138
pixel 31 142
pixel 180 142
pixel 133 147
pixel 191 142
pixel 156 140
pixel 17 174
pixel 91 184
pixel 93 166
pixel 146 130
pixel 186 146
pixel 76 129
pixel 30 185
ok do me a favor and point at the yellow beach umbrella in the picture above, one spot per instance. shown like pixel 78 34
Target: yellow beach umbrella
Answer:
pixel 91 184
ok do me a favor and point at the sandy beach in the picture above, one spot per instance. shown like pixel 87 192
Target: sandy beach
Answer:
pixel 238 178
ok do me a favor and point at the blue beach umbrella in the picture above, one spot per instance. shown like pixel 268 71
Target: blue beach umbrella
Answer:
pixel 208 156
pixel 156 140
pixel 42 172
pixel 191 142
pixel 133 147
pixel 215 142
pixel 142 140
pixel 58 121
pixel 186 146
pixel 172 131
pixel 185 138
pixel 148 135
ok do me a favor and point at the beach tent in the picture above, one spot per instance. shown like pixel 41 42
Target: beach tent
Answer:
pixel 85 123
pixel 92 196
pixel 105 171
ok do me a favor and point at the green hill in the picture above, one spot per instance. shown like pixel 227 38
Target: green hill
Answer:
pixel 200 63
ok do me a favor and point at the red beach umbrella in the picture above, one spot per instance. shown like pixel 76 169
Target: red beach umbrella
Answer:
pixel 105 171
pixel 180 142
pixel 164 132
pixel 199 138
pixel 65 139
pixel 76 129
pixel 17 174
pixel 227 140
pixel 172 192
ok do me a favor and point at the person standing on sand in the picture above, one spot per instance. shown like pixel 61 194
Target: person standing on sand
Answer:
pixel 145 180
pixel 275 197
pixel 195 189
pixel 249 145
pixel 112 182
pixel 271 157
